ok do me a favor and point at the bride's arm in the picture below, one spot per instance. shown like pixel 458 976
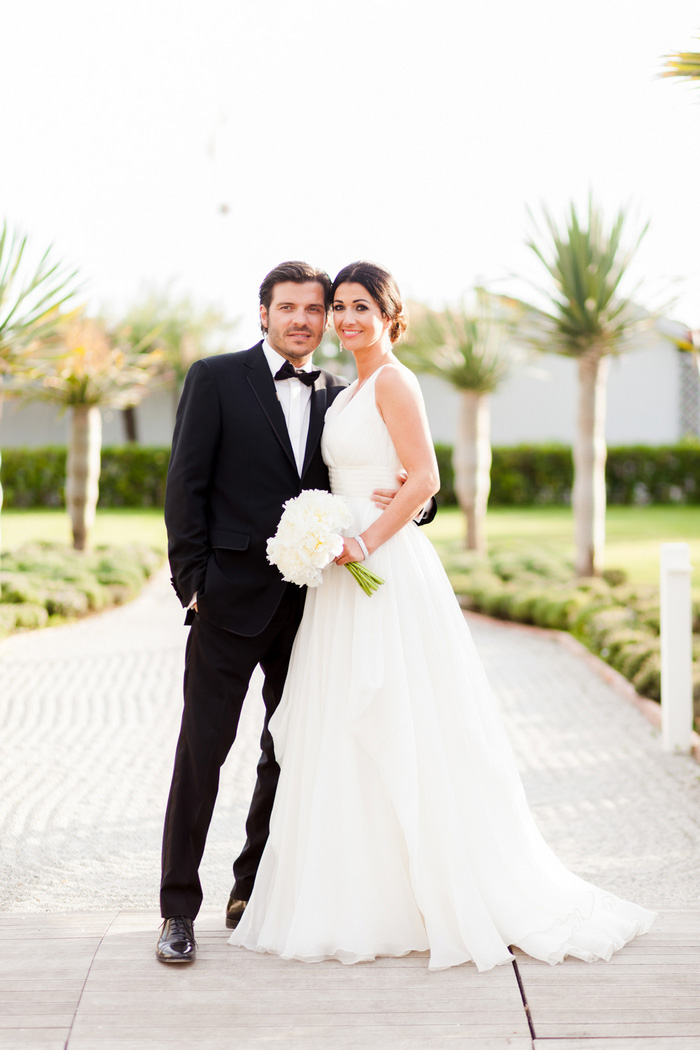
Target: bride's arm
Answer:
pixel 400 403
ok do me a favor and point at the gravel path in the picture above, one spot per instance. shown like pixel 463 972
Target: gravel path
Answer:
pixel 89 716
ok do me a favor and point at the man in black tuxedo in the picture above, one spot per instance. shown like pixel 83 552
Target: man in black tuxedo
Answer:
pixel 247 438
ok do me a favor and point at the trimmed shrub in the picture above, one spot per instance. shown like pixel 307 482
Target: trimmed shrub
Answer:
pixel 45 581
pixel 8 619
pixel 616 621
pixel 634 656
pixel 647 680
pixel 30 615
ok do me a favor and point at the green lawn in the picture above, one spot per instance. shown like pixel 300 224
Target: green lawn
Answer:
pixel 634 534
pixel 112 526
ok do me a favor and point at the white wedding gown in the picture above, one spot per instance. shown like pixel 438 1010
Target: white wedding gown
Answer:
pixel 400 821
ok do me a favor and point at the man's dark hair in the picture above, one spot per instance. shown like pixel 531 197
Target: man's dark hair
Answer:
pixel 299 273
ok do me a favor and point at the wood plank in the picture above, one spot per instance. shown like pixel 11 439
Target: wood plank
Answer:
pixel 623 1043
pixel 34 1038
pixel 653 1008
pixel 295 1038
pixel 306 1015
pixel 32 1020
pixel 56 991
pixel 593 1031
pixel 37 1008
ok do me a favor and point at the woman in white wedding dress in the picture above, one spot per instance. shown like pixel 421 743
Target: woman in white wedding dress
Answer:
pixel 400 821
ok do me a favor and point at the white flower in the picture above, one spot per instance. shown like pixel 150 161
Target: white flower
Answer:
pixel 308 537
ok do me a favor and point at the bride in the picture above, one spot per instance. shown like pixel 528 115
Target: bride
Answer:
pixel 400 823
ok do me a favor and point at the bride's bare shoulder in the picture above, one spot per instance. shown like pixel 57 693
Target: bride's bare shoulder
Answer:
pixel 395 378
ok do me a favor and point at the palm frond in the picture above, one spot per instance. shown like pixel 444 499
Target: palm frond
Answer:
pixel 31 296
pixel 467 348
pixel 684 64
pixel 586 263
pixel 88 367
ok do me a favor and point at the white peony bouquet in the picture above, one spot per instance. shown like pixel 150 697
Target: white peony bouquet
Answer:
pixel 309 537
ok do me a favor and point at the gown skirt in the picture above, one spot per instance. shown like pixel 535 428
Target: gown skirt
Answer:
pixel 400 822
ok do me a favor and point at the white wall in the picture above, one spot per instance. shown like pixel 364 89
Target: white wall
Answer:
pixel 42 424
pixel 536 404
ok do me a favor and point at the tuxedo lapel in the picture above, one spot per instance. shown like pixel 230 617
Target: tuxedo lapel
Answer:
pixel 319 397
pixel 263 385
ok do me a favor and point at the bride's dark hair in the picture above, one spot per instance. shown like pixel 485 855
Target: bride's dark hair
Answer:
pixel 383 289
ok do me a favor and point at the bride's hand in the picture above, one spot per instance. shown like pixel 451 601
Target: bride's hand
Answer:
pixel 351 552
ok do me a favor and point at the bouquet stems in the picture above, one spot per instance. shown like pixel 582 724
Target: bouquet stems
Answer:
pixel 368 580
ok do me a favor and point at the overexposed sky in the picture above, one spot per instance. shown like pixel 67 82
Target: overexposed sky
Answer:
pixel 203 142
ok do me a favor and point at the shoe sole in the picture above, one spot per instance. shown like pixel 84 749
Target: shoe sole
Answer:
pixel 175 959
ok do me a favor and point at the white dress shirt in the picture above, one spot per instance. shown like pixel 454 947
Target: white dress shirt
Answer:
pixel 295 399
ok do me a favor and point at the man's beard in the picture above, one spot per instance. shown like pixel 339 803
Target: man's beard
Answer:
pixel 278 340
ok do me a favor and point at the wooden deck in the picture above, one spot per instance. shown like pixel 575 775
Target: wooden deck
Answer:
pixel 91 982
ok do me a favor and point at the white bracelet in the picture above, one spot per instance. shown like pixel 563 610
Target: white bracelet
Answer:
pixel 363 546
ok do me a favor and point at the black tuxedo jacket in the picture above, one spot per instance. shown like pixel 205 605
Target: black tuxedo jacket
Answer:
pixel 231 469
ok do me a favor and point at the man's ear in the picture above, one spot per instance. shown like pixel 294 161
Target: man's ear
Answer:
pixel 263 317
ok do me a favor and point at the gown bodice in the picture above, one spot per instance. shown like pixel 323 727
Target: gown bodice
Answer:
pixel 356 444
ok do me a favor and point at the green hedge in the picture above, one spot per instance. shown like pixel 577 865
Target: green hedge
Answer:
pixel 527 475
pixel 131 476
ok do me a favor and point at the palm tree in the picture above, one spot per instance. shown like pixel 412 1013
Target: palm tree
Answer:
pixel 179 328
pixel 31 296
pixel 587 319
pixel 471 352
pixel 87 373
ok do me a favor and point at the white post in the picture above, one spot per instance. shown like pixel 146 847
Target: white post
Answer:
pixel 676 648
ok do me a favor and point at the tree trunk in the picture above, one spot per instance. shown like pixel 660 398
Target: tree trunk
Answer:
pixel 588 497
pixel 472 464
pixel 131 429
pixel 83 470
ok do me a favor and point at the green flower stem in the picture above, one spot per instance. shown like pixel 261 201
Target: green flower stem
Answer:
pixel 368 580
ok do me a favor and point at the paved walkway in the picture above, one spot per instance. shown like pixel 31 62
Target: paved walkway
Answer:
pixel 89 715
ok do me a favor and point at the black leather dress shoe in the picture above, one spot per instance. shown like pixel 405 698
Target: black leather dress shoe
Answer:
pixel 234 912
pixel 176 943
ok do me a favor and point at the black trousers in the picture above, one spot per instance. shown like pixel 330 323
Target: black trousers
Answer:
pixel 218 668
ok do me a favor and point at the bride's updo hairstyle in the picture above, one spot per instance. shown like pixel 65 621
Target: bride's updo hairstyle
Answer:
pixel 383 289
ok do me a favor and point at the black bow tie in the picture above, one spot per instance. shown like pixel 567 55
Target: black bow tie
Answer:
pixel 288 371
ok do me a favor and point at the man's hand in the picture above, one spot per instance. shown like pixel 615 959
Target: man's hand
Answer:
pixel 382 497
